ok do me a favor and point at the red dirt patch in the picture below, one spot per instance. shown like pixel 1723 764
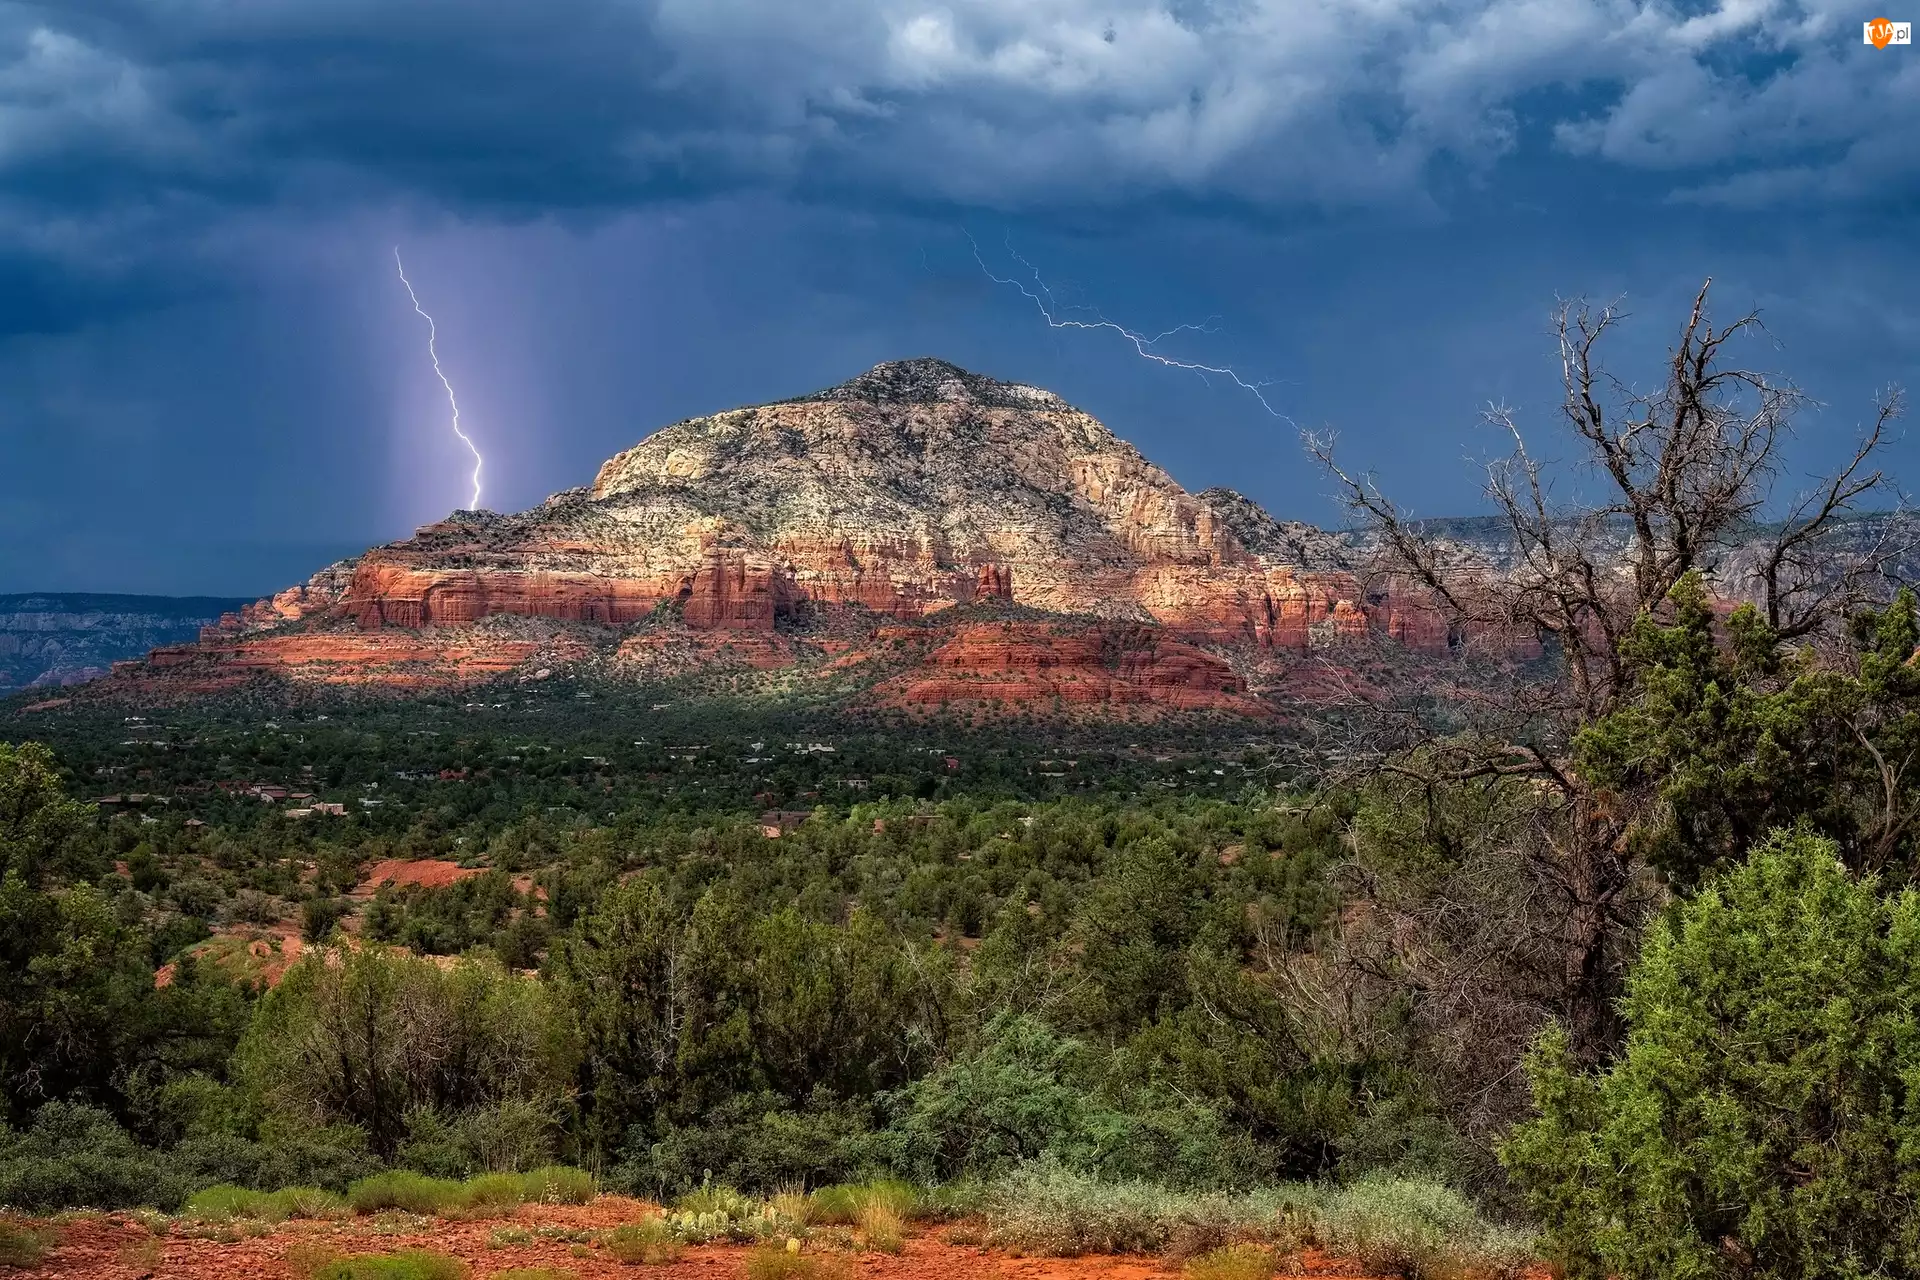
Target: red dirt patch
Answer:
pixel 431 873
pixel 110 1247
pixel 247 953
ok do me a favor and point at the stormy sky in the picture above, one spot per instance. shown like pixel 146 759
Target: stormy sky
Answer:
pixel 626 212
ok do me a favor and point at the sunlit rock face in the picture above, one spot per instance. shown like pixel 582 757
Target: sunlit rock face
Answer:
pixel 911 489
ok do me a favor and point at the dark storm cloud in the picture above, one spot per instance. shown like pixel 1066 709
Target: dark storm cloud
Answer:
pixel 130 129
pixel 627 211
pixel 1015 104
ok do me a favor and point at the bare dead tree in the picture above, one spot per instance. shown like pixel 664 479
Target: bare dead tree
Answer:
pixel 1689 476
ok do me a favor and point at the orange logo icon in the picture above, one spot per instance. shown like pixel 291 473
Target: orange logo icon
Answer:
pixel 1882 32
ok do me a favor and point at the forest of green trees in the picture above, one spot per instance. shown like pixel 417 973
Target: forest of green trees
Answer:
pixel 1625 949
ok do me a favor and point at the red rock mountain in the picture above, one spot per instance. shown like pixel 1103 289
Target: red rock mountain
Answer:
pixel 826 530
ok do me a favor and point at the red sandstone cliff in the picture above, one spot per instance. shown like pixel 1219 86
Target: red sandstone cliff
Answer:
pixel 910 489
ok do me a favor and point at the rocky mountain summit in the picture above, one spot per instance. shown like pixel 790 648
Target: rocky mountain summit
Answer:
pixel 800 531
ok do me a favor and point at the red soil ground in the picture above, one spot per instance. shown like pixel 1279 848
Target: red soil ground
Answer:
pixel 249 953
pixel 119 1247
pixel 398 872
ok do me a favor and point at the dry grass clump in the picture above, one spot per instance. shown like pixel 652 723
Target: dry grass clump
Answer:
pixel 1233 1262
pixel 417 1193
pixel 490 1191
pixel 794 1205
pixel 650 1243
pixel 143 1256
pixel 404 1189
pixel 773 1262
pixel 22 1244
pixel 1046 1209
pixel 559 1184
pixel 415 1264
pixel 842 1203
pixel 881 1227
pixel 226 1203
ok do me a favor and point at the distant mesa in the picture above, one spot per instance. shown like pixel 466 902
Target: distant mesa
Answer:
pixel 811 531
pixel 55 639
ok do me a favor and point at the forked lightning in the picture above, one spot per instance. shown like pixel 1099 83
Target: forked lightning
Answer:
pixel 434 352
pixel 1142 344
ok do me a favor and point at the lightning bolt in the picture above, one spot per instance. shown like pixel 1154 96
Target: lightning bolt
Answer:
pixel 1143 345
pixel 434 352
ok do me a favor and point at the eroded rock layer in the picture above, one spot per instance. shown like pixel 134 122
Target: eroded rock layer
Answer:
pixel 911 489
pixel 1104 664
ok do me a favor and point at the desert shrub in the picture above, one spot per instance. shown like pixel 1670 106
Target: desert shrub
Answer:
pixel 803 1005
pixel 1045 1208
pixel 757 1141
pixel 1420 1230
pixel 509 1134
pixel 550 1184
pixel 1009 1101
pixel 197 898
pixel 377 1039
pixel 319 914
pixel 250 906
pixel 224 1202
pixel 220 1157
pixel 22 1244
pixel 961 1198
pixel 1233 1262
pixel 449 920
pixel 1407 1227
pixel 332 1156
pixel 493 1191
pixel 773 1262
pixel 881 1227
pixel 405 1189
pixel 276 1154
pixel 1026 1091
pixel 559 1184
pixel 1762 1119
pixel 411 1265
pixel 1048 1209
pixel 652 1243
pixel 77 1155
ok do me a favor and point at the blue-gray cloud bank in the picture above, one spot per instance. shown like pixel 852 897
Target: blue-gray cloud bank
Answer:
pixel 623 212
